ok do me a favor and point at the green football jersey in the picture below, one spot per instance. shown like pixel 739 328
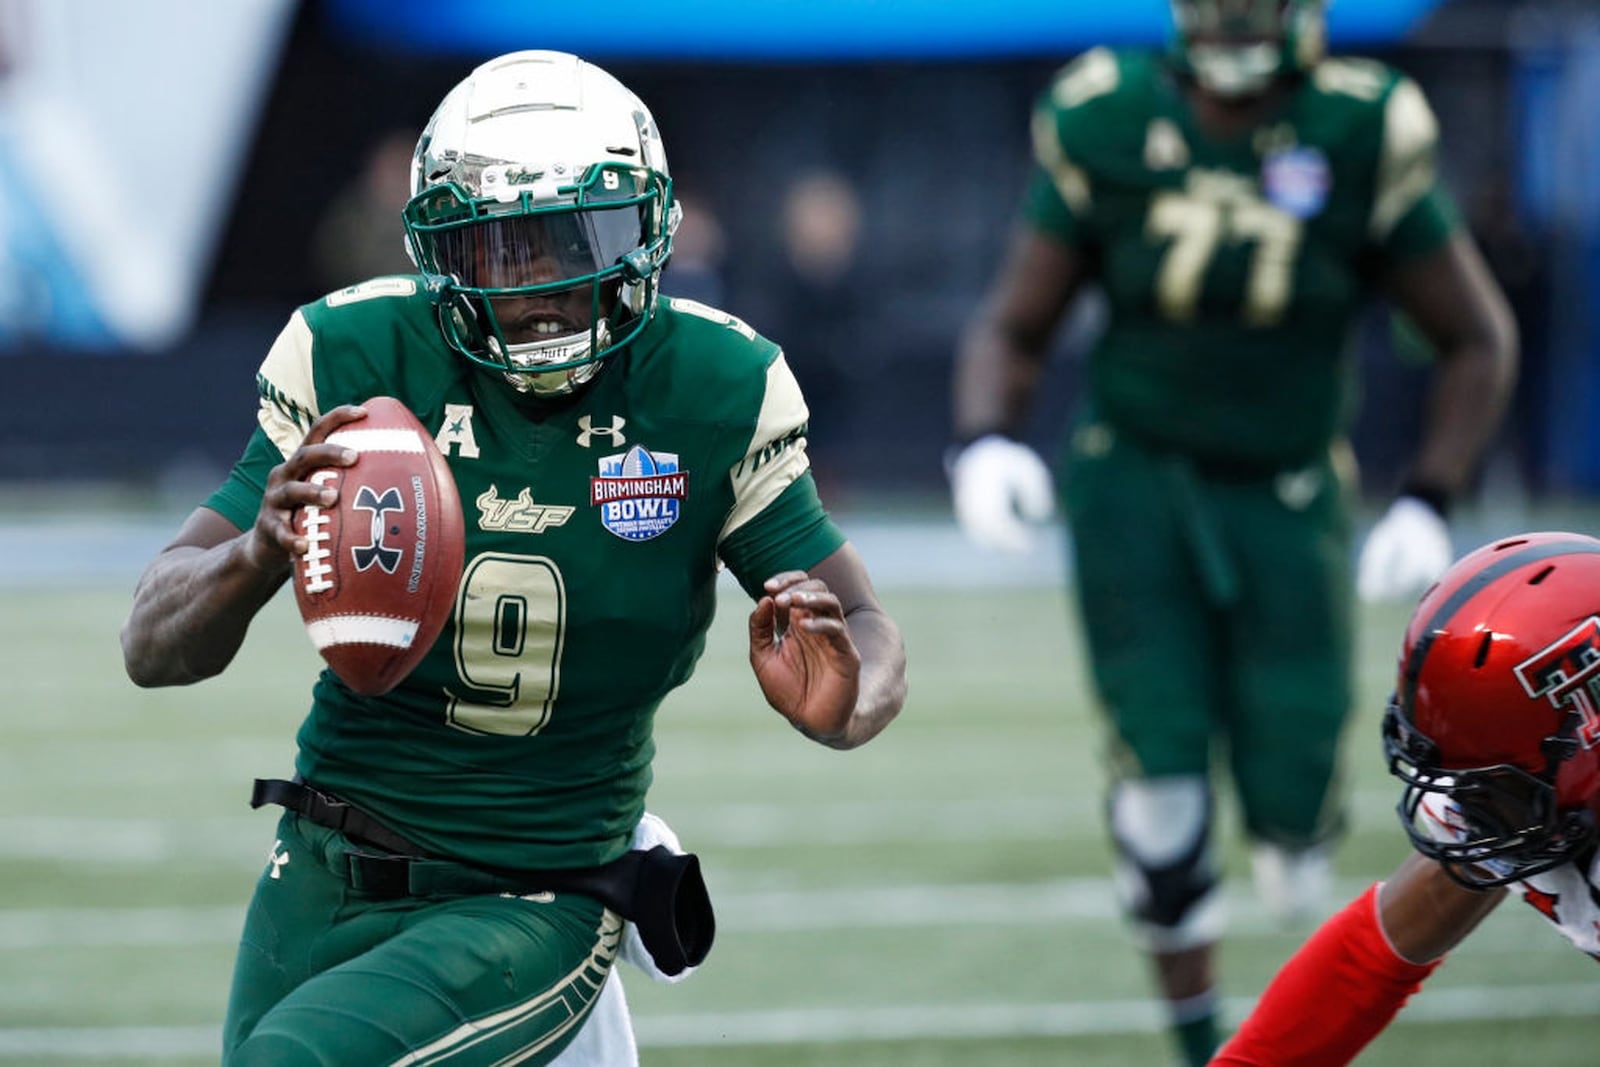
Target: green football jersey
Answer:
pixel 1234 270
pixel 594 530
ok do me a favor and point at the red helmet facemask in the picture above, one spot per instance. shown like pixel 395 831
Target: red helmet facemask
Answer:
pixel 1495 722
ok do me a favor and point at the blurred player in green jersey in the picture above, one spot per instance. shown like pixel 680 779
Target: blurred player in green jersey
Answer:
pixel 1239 199
pixel 613 449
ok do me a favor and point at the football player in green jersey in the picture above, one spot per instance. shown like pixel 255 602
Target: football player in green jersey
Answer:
pixel 1239 200
pixel 445 886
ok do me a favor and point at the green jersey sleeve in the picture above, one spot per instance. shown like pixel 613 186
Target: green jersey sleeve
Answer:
pixel 1079 99
pixel 239 497
pixel 791 533
pixel 1412 214
pixel 777 522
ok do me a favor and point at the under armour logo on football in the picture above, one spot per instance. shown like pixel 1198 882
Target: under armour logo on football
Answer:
pixel 587 432
pixel 377 552
pixel 279 860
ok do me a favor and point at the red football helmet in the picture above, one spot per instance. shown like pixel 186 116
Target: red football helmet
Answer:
pixel 1497 709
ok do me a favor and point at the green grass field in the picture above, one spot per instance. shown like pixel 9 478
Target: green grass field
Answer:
pixel 939 897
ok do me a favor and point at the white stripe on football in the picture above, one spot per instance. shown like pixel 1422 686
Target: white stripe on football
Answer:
pixel 334 630
pixel 378 440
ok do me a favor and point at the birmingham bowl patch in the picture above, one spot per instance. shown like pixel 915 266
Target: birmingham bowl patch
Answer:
pixel 1297 180
pixel 639 492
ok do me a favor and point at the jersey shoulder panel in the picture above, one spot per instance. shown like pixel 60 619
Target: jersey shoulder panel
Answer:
pixel 705 366
pixel 702 363
pixel 1350 103
pixel 1089 125
pixel 1373 115
pixel 377 338
pixel 1354 83
pixel 1099 102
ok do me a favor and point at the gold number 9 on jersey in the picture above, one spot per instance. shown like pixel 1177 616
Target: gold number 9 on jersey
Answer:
pixel 511 615
pixel 1196 227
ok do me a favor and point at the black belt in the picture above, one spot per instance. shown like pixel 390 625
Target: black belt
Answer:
pixel 327 810
pixel 660 891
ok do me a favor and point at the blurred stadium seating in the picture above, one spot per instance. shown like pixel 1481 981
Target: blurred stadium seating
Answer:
pixel 313 107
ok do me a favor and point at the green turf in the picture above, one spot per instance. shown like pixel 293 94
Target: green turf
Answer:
pixel 127 851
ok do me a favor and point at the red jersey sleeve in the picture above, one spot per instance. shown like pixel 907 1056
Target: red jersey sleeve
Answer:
pixel 1333 996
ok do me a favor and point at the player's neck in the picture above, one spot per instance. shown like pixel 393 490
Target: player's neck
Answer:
pixel 1231 118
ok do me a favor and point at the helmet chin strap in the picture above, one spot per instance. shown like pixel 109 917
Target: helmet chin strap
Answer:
pixel 557 350
pixel 554 383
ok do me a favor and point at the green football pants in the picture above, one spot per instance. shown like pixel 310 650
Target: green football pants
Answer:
pixel 1217 611
pixel 329 976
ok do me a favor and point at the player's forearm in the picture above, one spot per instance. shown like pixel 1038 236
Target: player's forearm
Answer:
pixel 883 677
pixel 1333 996
pixel 191 611
pixel 997 373
pixel 1471 388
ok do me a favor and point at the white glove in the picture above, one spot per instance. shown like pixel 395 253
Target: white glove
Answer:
pixel 1405 552
pixel 1002 489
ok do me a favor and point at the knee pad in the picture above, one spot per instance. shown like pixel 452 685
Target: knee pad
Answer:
pixel 1166 874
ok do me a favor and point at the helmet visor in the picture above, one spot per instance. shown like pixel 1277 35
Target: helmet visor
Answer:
pixel 547 250
pixel 536 235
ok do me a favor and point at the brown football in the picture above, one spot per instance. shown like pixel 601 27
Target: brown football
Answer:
pixel 378 578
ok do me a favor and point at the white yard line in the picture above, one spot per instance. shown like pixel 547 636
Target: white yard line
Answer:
pixel 1084 1018
pixel 1047 819
pixel 1064 901
pixel 920 1022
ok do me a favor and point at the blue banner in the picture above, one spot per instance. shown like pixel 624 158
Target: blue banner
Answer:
pixel 803 30
pixel 1556 100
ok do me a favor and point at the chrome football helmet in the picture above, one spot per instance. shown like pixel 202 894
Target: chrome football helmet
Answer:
pixel 1494 727
pixel 542 212
pixel 1236 48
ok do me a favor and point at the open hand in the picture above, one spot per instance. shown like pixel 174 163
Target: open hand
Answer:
pixel 805 660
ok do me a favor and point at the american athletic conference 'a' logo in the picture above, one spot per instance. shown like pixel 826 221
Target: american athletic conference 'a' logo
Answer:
pixel 376 551
pixel 639 492
pixel 1568 674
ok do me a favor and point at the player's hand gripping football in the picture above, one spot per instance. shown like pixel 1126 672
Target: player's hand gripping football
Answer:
pixel 805 660
pixel 274 541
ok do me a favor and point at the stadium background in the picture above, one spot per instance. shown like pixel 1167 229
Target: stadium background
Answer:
pixel 175 176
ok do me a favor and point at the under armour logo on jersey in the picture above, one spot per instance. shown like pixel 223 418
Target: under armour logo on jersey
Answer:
pixel 279 860
pixel 377 552
pixel 587 431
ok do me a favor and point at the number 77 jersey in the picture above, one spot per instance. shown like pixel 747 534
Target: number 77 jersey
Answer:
pixel 1234 269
